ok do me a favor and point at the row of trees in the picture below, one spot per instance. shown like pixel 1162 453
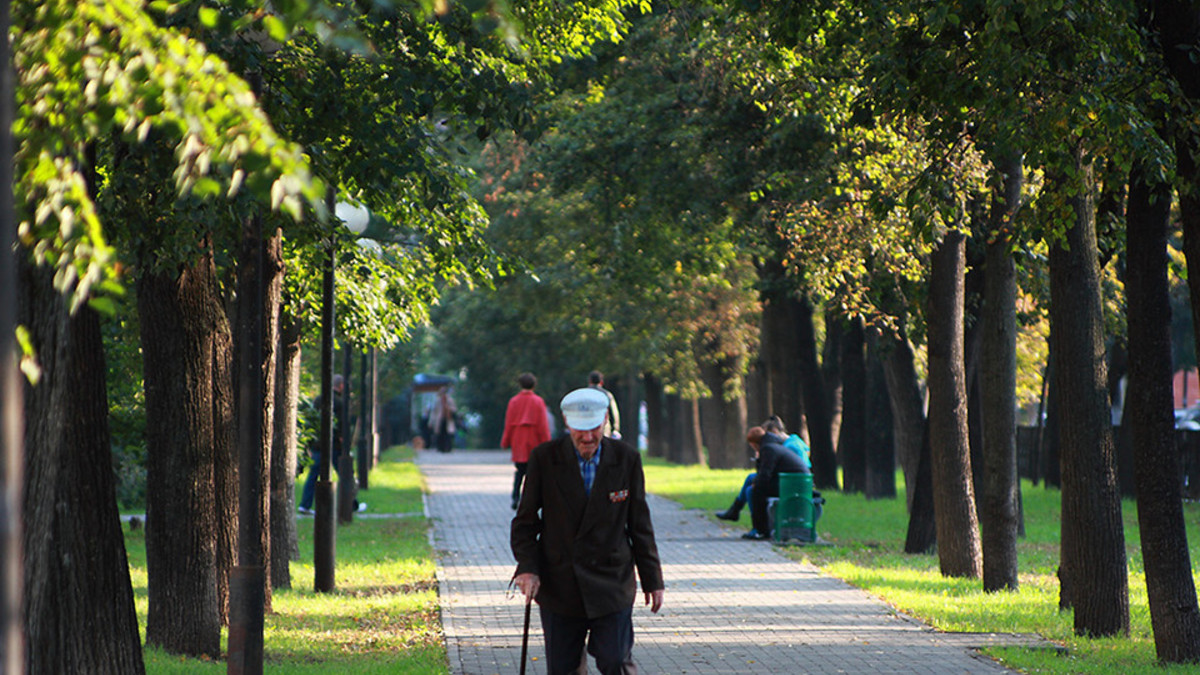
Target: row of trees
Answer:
pixel 933 175
pixel 153 146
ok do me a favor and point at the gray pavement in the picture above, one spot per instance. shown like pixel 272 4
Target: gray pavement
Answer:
pixel 732 606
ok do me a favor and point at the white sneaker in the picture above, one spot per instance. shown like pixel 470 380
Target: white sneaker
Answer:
pixel 305 512
pixel 362 506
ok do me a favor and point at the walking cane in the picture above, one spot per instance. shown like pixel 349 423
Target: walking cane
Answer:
pixel 525 636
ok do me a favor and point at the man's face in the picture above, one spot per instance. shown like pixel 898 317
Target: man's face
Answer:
pixel 587 441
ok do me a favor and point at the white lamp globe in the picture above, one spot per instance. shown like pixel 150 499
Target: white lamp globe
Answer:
pixel 355 216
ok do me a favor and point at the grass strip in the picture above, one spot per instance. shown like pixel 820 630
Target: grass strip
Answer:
pixel 867 552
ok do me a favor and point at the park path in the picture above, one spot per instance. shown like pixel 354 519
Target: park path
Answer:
pixel 732 606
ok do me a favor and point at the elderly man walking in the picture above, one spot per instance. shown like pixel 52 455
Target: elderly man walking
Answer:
pixel 582 527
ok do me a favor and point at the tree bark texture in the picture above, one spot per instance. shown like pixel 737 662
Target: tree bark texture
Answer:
pixel 1000 514
pixel 1170 588
pixel 816 408
pixel 908 406
pixel 959 552
pixel 181 319
pixel 921 536
pixel 684 447
pixel 79 611
pixel 779 349
pixel 270 283
pixel 722 420
pixel 881 444
pixel 1093 571
pixel 225 460
pixel 285 544
pixel 852 440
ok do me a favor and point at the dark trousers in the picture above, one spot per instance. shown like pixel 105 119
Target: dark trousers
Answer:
pixel 518 478
pixel 609 639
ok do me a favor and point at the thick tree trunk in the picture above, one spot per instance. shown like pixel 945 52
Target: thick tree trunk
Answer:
pixel 756 394
pixel 1171 590
pixel 1000 514
pixel 852 441
pixel 723 422
pixel 79 611
pixel 284 540
pixel 181 319
pixel 959 552
pixel 656 428
pixel 816 408
pixel 881 444
pixel 225 459
pixel 921 536
pixel 908 407
pixel 1093 572
pixel 779 350
pixel 682 417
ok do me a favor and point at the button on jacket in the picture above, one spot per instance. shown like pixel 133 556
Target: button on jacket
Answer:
pixel 585 548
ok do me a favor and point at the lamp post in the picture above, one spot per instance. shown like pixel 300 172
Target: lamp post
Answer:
pixel 356 217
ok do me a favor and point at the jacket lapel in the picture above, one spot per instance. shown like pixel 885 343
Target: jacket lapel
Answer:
pixel 600 487
pixel 569 481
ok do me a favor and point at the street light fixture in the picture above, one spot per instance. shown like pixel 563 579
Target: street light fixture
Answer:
pixel 356 217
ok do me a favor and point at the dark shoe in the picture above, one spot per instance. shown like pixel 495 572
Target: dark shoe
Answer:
pixel 754 535
pixel 732 513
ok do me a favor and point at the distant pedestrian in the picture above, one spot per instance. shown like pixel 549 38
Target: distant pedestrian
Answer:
pixel 526 425
pixel 308 494
pixel 612 426
pixel 443 417
pixel 582 527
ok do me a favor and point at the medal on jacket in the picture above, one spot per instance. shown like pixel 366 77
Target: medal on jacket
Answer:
pixel 618 496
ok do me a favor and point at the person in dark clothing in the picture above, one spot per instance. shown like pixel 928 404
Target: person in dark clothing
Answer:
pixel 773 459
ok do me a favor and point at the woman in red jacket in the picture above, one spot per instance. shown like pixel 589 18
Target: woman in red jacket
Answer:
pixel 525 426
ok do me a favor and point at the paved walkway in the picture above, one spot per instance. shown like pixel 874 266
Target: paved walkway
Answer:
pixel 732 606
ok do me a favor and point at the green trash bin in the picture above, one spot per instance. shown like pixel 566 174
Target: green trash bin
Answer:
pixel 794 510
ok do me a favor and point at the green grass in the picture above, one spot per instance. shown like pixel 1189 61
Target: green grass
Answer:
pixel 868 538
pixel 383 617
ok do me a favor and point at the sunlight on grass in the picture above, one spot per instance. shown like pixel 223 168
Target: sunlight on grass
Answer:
pixel 867 540
pixel 383 617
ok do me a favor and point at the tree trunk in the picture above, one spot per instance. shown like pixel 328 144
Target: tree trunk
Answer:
pixel 631 421
pixel 79 614
pixel 852 449
pixel 270 283
pixel 723 422
pixel 908 408
pixel 1094 573
pixel 816 408
pixel 682 417
pixel 225 459
pixel 284 539
pixel 1000 515
pixel 881 444
pixel 656 429
pixel 922 522
pixel 831 374
pixel 954 499
pixel 779 350
pixel 1170 588
pixel 181 319
pixel 756 395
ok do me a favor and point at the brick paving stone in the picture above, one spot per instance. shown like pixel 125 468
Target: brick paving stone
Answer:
pixel 732 606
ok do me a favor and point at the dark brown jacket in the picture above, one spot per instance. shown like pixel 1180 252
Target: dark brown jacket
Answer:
pixel 584 549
